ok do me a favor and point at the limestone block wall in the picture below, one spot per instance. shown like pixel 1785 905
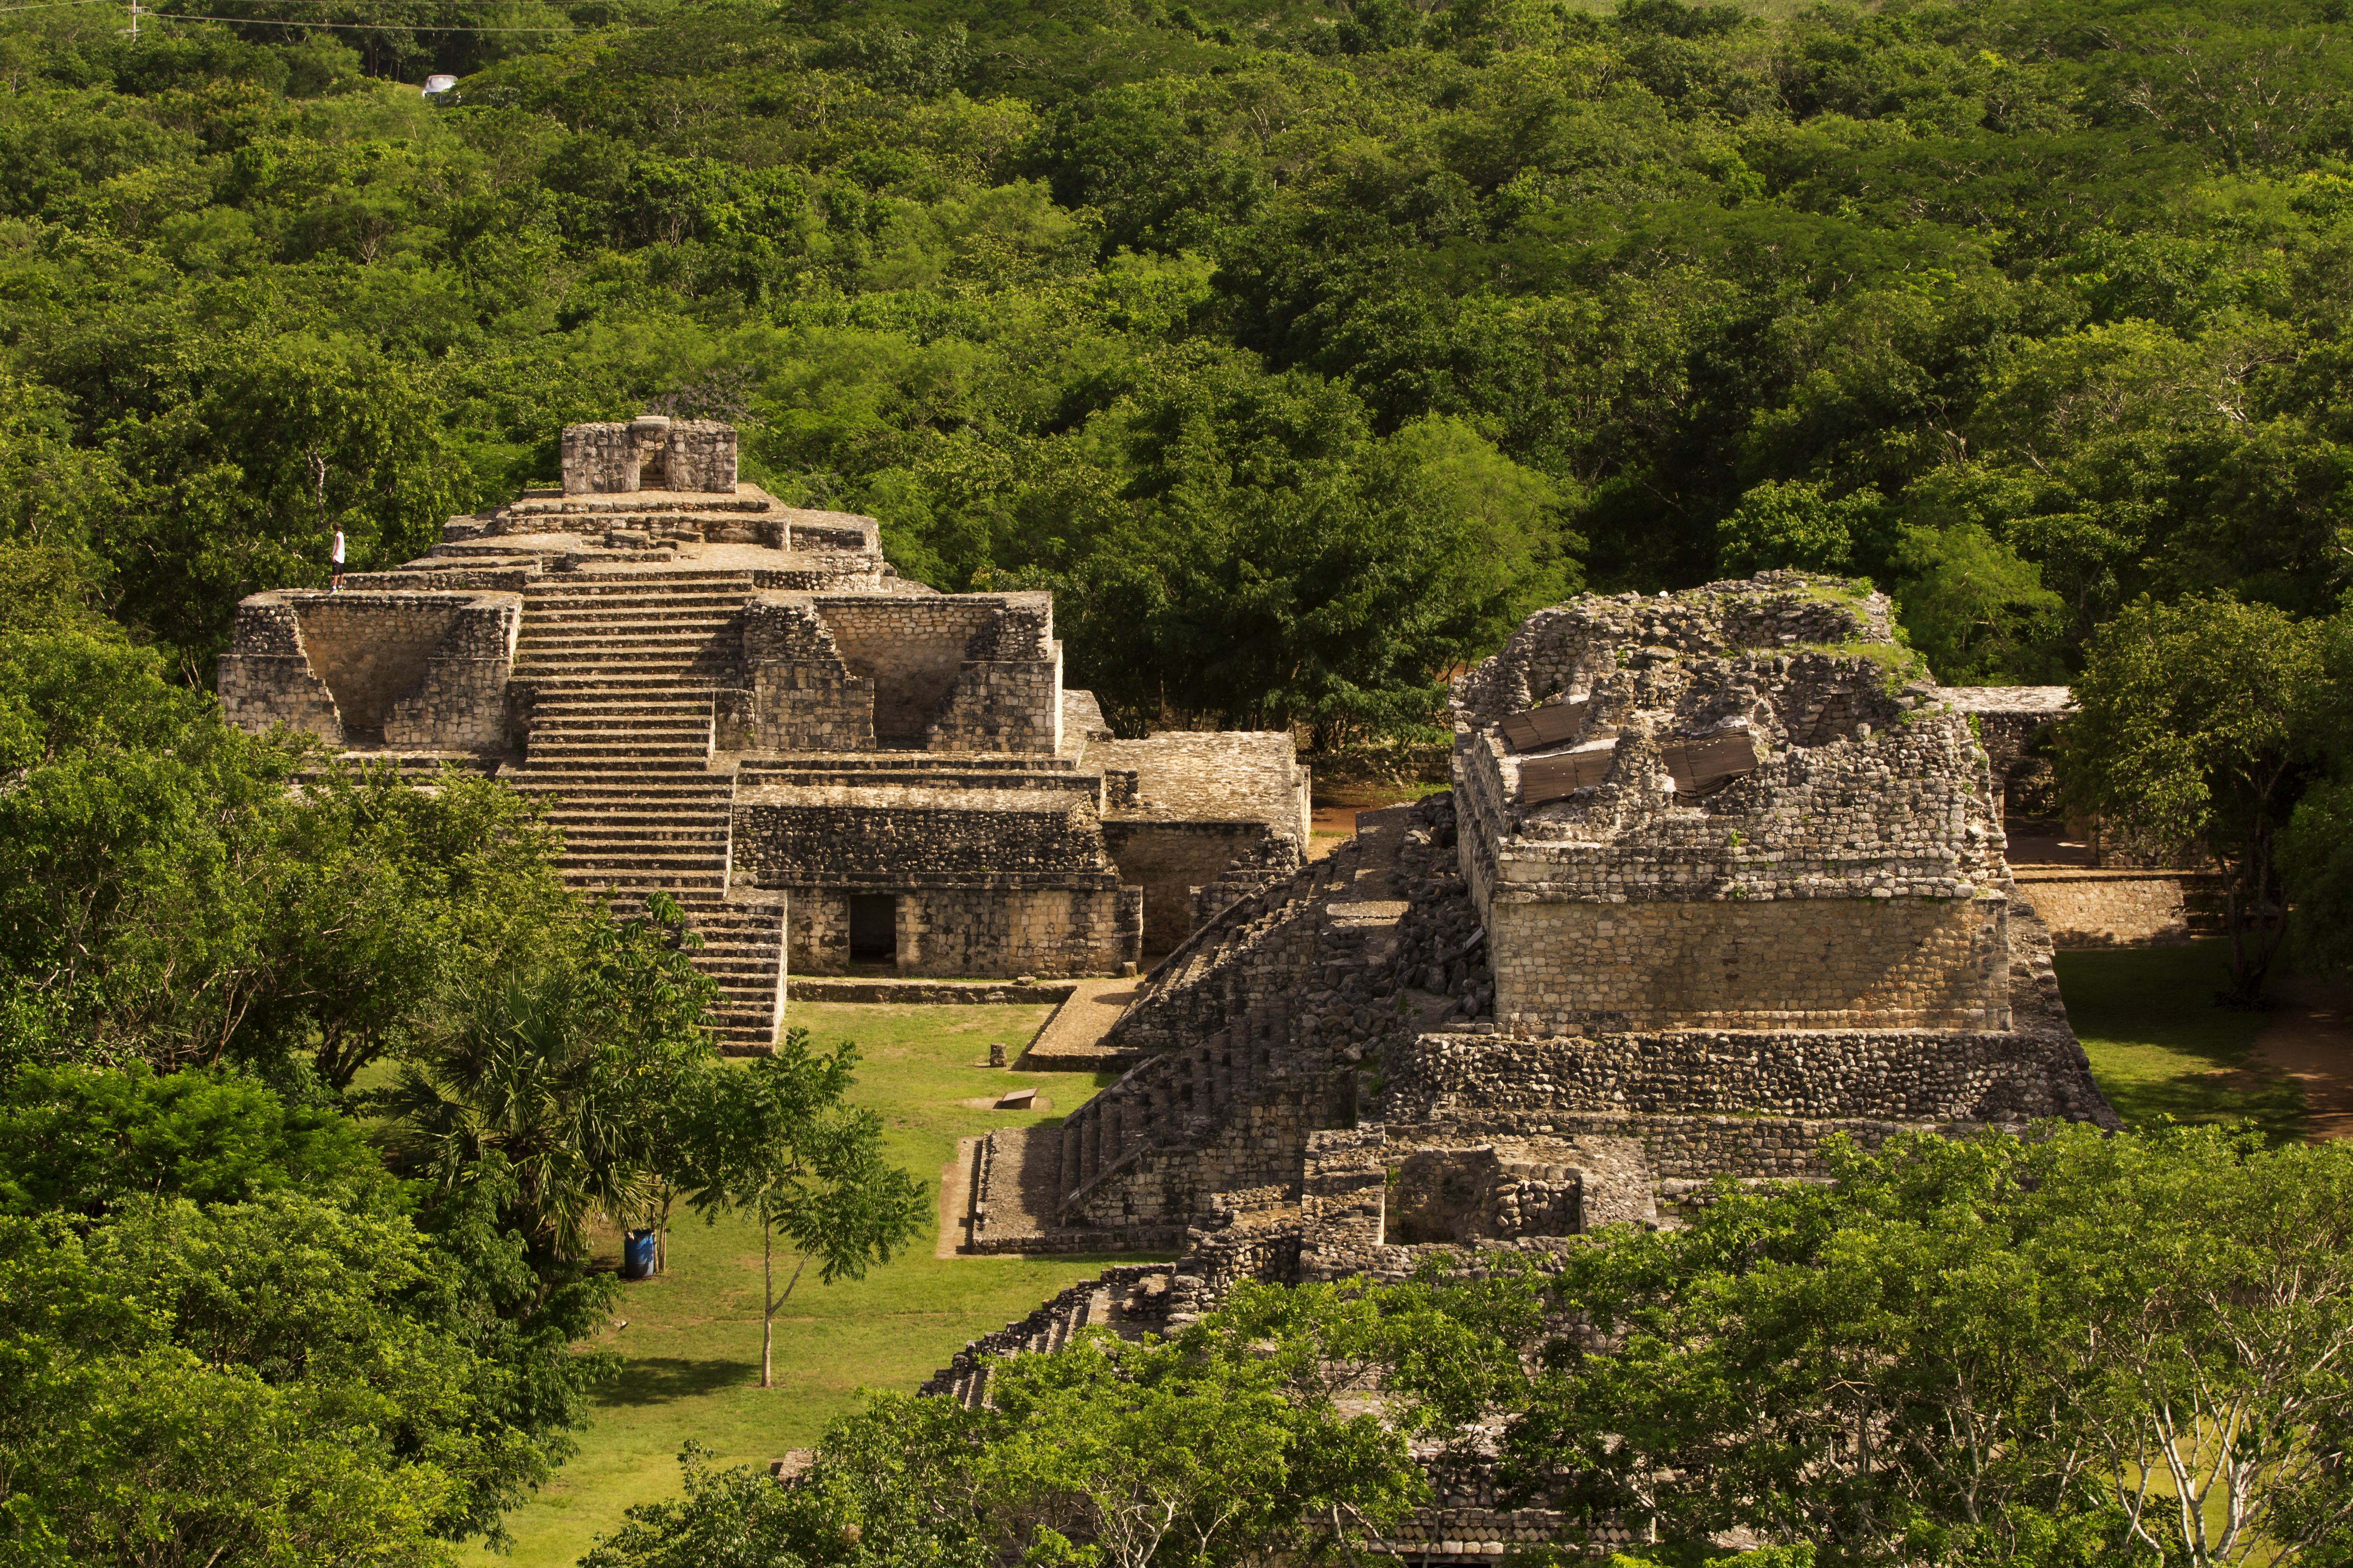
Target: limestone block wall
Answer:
pixel 1002 705
pixel 421 669
pixel 914 649
pixel 804 696
pixel 266 679
pixel 1168 860
pixel 973 932
pixel 886 834
pixel 1984 1076
pixel 2093 908
pixel 699 455
pixel 600 460
pixel 811 705
pixel 1908 963
pixel 651 452
pixel 459 705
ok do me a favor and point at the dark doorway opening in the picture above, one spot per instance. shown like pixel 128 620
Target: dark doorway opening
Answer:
pixel 873 927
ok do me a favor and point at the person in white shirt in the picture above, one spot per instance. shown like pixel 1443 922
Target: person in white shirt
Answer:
pixel 336 559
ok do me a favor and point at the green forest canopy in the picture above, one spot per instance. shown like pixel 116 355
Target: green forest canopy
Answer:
pixel 1299 351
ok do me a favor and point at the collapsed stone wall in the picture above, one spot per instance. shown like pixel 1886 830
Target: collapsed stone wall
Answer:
pixel 1570 647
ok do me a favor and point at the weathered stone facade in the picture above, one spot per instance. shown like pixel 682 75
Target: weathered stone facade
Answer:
pixel 741 703
pixel 422 671
pixel 650 452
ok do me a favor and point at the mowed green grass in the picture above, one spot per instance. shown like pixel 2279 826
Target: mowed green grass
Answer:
pixel 2160 1047
pixel 693 1339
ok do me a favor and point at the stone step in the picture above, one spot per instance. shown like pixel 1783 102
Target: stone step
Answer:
pixel 670 717
pixel 649 860
pixel 603 791
pixel 604 616
pixel 651 588
pixel 667 726
pixel 693 754
pixel 655 644
pixel 640 827
pixel 591 578
pixel 607 844
pixel 604 503
pixel 684 767
pixel 654 651
pixel 651 688
pixel 685 801
pixel 583 675
pixel 687 584
pixel 648 611
pixel 596 881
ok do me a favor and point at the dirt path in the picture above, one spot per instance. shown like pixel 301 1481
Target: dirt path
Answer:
pixel 955 1200
pixel 2309 1038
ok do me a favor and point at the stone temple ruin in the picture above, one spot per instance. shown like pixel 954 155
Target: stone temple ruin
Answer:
pixel 1721 875
pixel 832 769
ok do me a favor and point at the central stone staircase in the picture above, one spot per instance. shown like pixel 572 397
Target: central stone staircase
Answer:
pixel 623 667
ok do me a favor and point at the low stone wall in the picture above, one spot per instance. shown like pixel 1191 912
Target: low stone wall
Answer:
pixel 1895 1074
pixel 929 992
pixel 2095 909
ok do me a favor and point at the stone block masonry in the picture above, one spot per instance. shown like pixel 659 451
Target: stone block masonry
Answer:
pixel 1803 964
pixel 1994 1076
pixel 651 452
pixel 740 704
pixel 977 672
pixel 1769 905
pixel 424 671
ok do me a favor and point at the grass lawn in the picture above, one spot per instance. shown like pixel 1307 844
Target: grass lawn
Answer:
pixel 693 1338
pixel 2159 1046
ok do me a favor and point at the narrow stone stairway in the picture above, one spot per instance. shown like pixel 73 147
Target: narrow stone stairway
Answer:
pixel 1128 1300
pixel 623 667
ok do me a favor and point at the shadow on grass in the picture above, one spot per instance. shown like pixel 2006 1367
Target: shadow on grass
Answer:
pixel 658 1380
pixel 2160 1047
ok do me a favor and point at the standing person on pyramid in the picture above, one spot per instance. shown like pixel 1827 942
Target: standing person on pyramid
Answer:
pixel 335 561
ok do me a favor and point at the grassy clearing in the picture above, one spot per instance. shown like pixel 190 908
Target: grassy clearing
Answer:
pixel 693 1339
pixel 2160 1047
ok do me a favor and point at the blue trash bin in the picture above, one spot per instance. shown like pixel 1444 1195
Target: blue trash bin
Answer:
pixel 637 1256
